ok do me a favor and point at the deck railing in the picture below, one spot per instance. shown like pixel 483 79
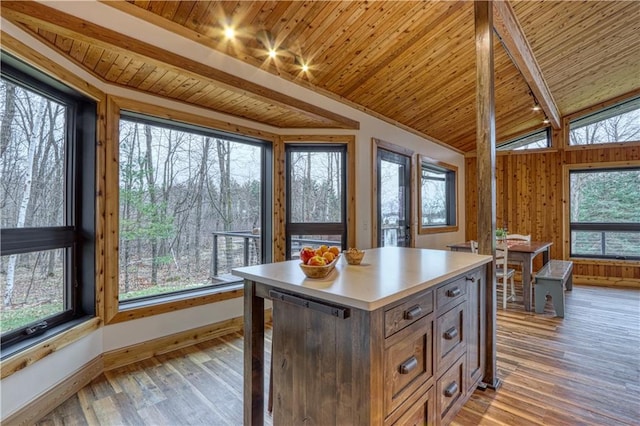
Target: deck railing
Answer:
pixel 242 248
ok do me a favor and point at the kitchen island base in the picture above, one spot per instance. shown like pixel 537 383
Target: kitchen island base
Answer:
pixel 413 361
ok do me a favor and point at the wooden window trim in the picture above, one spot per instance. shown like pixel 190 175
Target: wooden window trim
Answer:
pixel 37 352
pixel 422 230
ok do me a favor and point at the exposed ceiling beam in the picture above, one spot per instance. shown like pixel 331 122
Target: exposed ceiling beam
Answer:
pixel 510 32
pixel 69 26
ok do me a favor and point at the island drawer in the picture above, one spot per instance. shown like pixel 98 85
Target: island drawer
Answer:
pixel 398 317
pixel 449 391
pixel 421 409
pixel 408 362
pixel 453 291
pixel 450 336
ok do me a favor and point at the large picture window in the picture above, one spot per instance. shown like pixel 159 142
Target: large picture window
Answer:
pixel 47 163
pixel 619 123
pixel 192 207
pixel 437 196
pixel 605 213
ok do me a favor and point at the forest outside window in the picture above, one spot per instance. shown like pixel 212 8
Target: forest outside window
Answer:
pixel 192 207
pixel 619 123
pixel 437 196
pixel 605 213
pixel 316 187
pixel 47 159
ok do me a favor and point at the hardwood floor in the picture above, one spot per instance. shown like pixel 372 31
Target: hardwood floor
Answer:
pixel 580 370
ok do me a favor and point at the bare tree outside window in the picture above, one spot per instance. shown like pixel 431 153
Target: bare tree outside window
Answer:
pixel 434 197
pixel 187 200
pixel 617 124
pixel 316 186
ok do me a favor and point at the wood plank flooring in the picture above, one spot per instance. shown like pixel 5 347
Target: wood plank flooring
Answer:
pixel 580 370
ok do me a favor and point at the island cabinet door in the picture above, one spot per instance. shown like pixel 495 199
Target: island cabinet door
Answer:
pixel 476 328
pixel 322 367
pixel 421 409
pixel 408 363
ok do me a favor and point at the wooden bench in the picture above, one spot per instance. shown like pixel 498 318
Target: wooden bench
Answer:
pixel 553 279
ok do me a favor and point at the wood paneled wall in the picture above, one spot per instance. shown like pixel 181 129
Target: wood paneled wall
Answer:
pixel 530 200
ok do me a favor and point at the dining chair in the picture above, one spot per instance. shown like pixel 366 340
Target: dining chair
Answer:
pixel 474 246
pixel 504 273
pixel 520 237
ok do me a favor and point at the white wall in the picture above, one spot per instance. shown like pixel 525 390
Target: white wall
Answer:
pixel 20 388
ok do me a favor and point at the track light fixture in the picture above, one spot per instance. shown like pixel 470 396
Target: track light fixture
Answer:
pixel 536 106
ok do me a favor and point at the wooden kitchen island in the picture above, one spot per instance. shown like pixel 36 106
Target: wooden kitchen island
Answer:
pixel 403 338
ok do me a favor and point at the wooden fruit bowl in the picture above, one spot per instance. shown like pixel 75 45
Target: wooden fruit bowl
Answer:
pixel 318 271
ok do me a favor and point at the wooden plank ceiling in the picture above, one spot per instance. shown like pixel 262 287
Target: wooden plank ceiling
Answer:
pixel 411 62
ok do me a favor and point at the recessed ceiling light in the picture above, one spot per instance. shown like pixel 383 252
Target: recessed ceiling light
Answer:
pixel 545 121
pixel 536 107
pixel 229 33
pixel 272 53
pixel 305 67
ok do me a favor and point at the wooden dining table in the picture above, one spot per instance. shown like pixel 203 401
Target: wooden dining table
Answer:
pixel 522 252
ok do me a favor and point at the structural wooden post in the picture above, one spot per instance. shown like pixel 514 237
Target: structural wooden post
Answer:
pixel 253 356
pixel 486 163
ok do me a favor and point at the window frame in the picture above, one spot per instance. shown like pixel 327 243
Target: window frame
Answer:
pixel 382 145
pixel 452 195
pixel 77 235
pixel 265 196
pixel 594 226
pixel 113 312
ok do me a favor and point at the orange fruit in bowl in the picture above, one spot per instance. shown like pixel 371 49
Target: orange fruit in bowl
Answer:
pixel 335 250
pixel 329 256
pixel 323 248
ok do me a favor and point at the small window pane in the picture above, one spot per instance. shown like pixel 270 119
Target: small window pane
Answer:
pixel 316 186
pixel 605 244
pixel 391 194
pixel 620 123
pixel 36 282
pixel 434 198
pixel 31 158
pixel 605 196
pixel 536 140
pixel 299 241
pixel 437 197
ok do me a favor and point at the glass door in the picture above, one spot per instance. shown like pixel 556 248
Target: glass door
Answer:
pixel 394 199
